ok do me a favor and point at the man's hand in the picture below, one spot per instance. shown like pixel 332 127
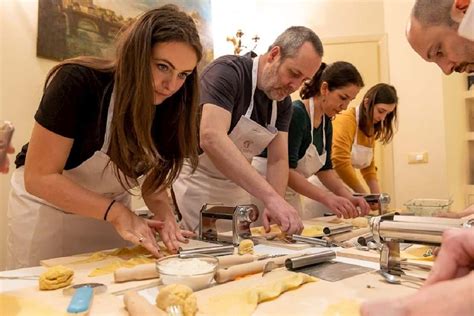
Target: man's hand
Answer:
pixel 468 211
pixel 456 256
pixel 4 167
pixel 283 214
pixel 453 297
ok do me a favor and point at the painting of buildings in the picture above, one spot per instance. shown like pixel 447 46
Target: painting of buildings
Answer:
pixel 70 28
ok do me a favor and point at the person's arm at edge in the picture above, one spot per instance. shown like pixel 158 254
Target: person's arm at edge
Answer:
pixel 5 167
pixel 430 300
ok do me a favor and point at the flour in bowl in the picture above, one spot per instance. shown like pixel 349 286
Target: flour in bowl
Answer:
pixel 186 267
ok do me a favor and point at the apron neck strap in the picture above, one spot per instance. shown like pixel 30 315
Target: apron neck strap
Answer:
pixel 254 87
pixel 311 113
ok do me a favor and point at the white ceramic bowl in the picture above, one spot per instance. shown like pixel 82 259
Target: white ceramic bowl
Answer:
pixel 186 270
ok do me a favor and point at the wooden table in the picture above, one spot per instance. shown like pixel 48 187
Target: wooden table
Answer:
pixel 312 298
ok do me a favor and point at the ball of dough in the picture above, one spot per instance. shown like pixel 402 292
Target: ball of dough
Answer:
pixel 246 246
pixel 360 222
pixel 55 278
pixel 312 230
pixel 177 294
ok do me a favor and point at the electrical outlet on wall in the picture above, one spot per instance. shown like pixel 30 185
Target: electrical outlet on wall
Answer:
pixel 418 157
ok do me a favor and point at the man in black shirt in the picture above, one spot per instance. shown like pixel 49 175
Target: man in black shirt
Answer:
pixel 247 108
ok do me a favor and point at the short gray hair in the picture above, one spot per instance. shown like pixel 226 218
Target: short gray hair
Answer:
pixel 293 38
pixel 433 12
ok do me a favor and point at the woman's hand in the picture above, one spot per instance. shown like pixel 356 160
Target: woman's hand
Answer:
pixel 340 206
pixel 134 228
pixel 170 233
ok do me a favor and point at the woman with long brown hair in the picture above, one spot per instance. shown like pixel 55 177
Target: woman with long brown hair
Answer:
pixel 104 127
pixel 355 132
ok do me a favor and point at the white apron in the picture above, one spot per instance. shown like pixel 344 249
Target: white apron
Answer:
pixel 361 156
pixel 308 165
pixel 209 185
pixel 38 230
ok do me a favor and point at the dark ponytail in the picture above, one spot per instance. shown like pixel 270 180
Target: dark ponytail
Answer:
pixel 337 75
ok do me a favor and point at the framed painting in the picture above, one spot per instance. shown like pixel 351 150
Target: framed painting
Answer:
pixel 70 28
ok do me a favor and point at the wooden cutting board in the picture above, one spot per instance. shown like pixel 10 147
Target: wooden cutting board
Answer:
pixel 311 298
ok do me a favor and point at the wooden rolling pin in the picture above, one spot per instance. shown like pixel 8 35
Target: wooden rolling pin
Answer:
pixel 225 275
pixel 137 305
pixel 140 272
pixel 231 260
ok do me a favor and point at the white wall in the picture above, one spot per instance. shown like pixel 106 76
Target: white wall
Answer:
pixel 421 113
pixel 21 79
pixel 268 18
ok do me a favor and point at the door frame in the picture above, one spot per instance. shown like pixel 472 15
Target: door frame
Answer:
pixel 386 175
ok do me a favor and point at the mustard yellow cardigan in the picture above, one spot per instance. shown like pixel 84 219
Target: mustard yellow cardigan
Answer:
pixel 344 130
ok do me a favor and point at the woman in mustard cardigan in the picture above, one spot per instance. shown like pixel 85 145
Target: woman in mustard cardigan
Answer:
pixel 355 132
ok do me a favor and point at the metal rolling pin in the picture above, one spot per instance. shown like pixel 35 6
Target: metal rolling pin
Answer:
pixel 342 228
pixel 364 239
pixel 311 240
pixel 213 251
pixel 310 259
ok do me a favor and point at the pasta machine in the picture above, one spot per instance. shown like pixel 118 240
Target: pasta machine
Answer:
pixel 238 217
pixel 389 230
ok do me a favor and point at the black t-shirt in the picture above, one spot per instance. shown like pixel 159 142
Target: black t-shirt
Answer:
pixel 227 82
pixel 75 106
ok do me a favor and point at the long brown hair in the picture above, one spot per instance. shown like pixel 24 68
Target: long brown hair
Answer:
pixel 145 139
pixel 383 130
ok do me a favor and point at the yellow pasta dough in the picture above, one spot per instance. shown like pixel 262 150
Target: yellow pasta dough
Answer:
pixel 177 294
pixel 312 230
pixel 119 263
pixel 418 252
pixel 55 278
pixel 360 222
pixel 245 247
pixel 244 301
pixel 260 230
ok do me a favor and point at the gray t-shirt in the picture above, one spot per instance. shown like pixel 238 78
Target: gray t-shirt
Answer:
pixel 227 82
